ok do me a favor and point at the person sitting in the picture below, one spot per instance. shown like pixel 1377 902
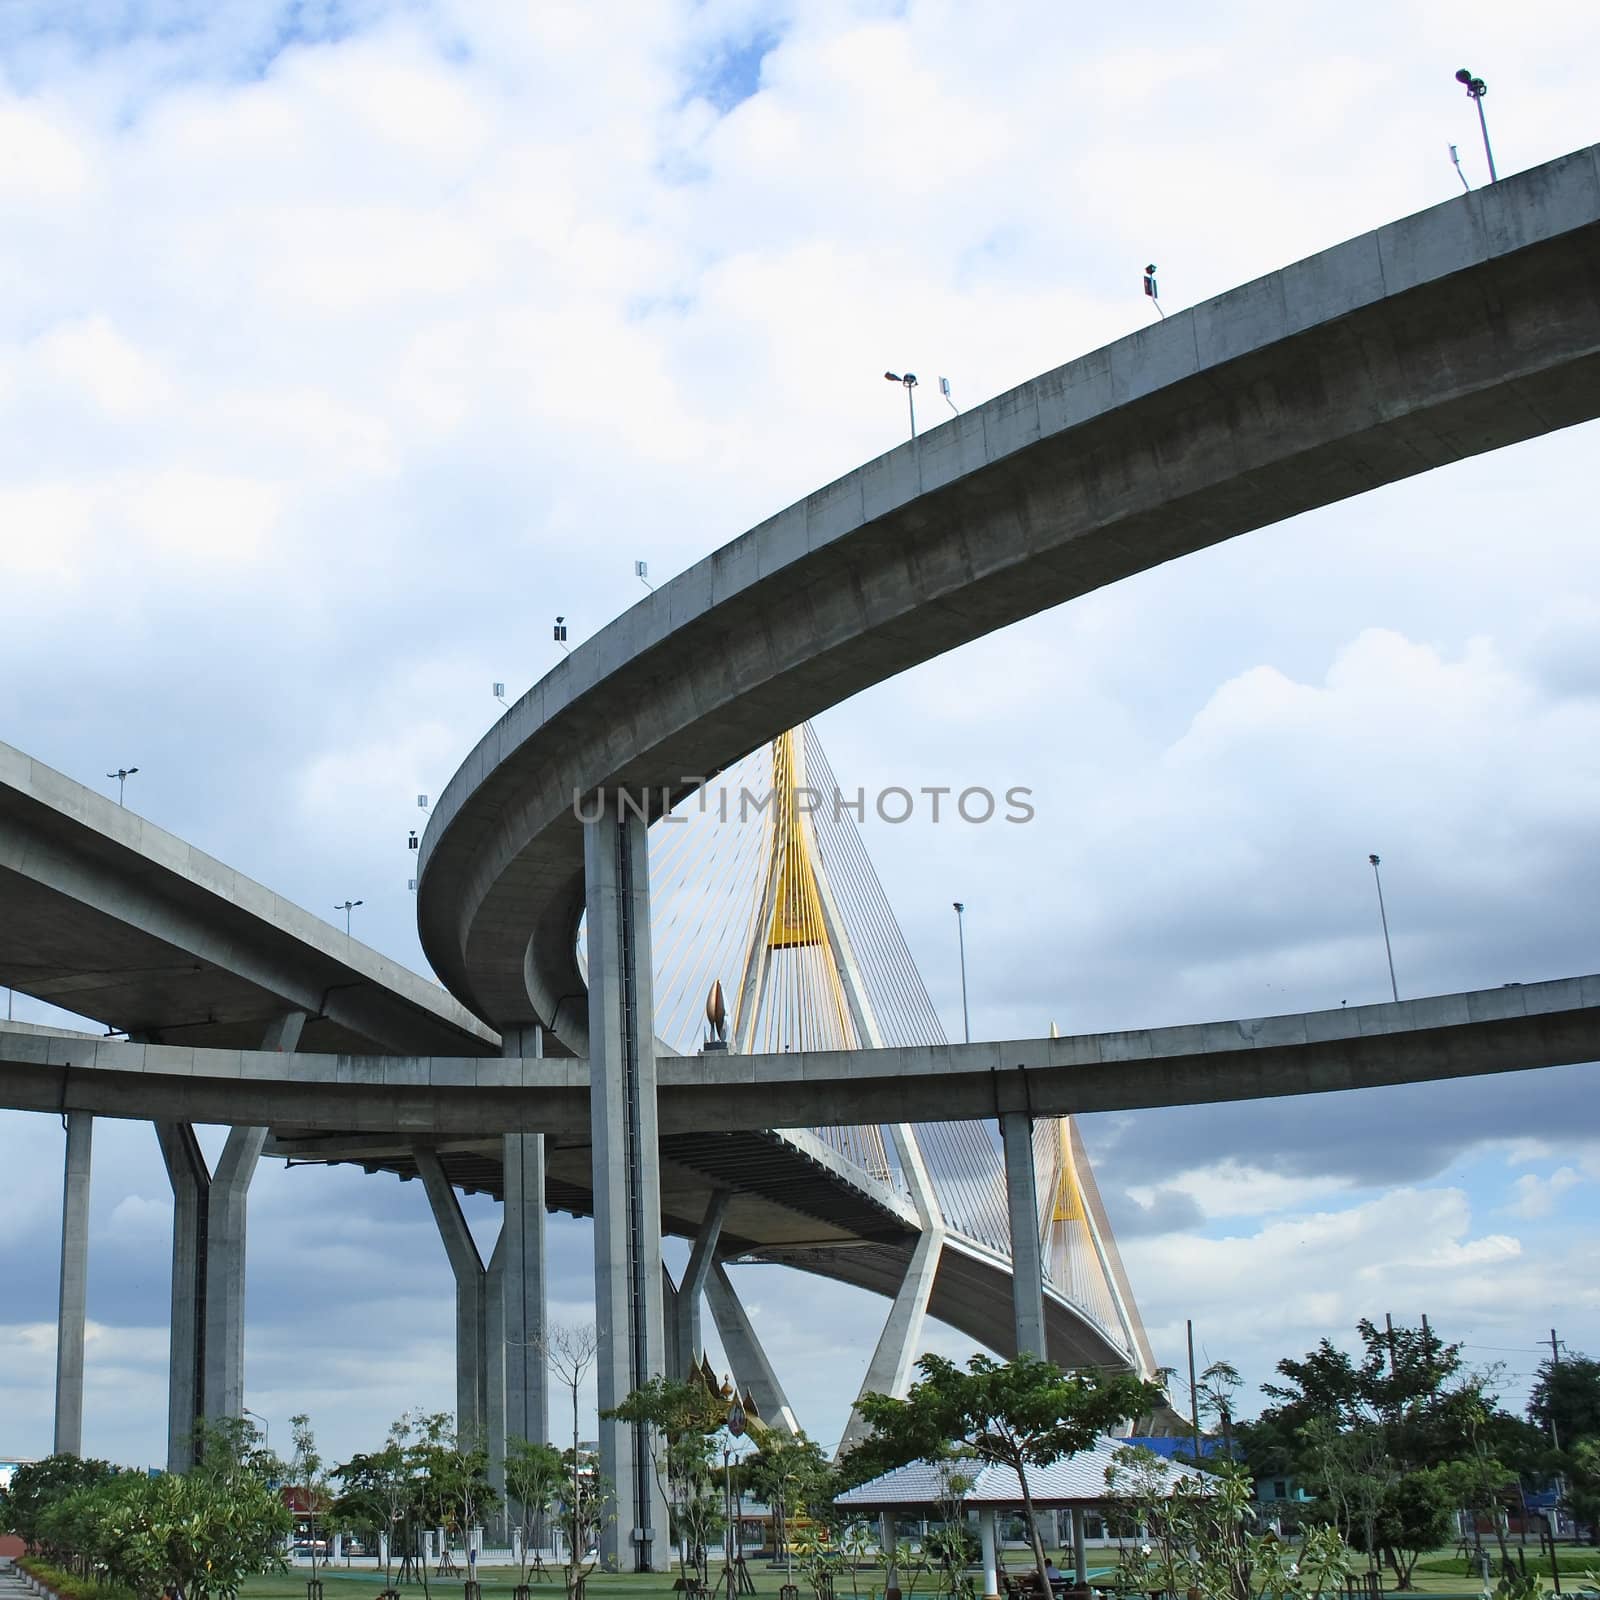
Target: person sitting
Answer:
pixel 1051 1575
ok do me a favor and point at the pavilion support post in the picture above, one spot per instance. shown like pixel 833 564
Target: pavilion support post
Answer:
pixel 891 1573
pixel 629 1316
pixel 1027 1259
pixel 987 1540
pixel 73 1309
pixel 1080 1556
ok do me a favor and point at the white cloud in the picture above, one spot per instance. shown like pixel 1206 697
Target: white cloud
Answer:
pixel 1538 1197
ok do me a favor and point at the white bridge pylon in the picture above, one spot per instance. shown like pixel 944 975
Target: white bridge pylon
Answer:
pixel 760 881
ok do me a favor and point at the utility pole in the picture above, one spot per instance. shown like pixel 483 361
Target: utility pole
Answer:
pixel 1388 1326
pixel 1194 1393
pixel 1555 1361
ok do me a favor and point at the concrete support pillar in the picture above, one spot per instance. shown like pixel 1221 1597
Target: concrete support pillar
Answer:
pixel 522 1235
pixel 751 1370
pixel 695 1276
pixel 669 1322
pixel 987 1539
pixel 226 1206
pixel 1027 1260
pixel 227 1202
pixel 1080 1557
pixel 494 1373
pixel 889 1371
pixel 627 1180
pixel 73 1309
pixel 891 1573
pixel 472 1399
pixel 190 1178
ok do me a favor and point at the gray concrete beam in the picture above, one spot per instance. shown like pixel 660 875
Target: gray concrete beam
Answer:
pixel 1022 1205
pixel 626 1178
pixel 752 1371
pixel 73 1306
pixel 1510 1029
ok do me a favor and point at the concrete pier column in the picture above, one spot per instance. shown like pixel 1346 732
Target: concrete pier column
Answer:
pixel 472 1399
pixel 524 1288
pixel 669 1323
pixel 752 1371
pixel 627 1180
pixel 1080 1556
pixel 1027 1261
pixel 494 1375
pixel 695 1275
pixel 73 1309
pixel 227 1203
pixel 989 1543
pixel 190 1178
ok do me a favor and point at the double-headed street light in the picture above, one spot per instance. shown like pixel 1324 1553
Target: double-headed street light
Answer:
pixel 1476 89
pixel 347 906
pixel 122 774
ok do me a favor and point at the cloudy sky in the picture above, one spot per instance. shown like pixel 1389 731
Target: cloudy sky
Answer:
pixel 342 345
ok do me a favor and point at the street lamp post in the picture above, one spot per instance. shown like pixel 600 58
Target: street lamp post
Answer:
pixel 1476 89
pixel 122 774
pixel 347 906
pixel 266 1427
pixel 1394 988
pixel 961 941
pixel 909 380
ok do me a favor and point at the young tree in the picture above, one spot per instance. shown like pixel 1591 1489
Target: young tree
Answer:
pixel 682 1417
pixel 534 1476
pixel 1218 1385
pixel 790 1474
pixel 308 1479
pixel 1015 1414
pixel 569 1352
pixel 1197 1538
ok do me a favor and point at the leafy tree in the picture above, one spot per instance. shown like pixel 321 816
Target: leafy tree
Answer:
pixel 1199 1540
pixel 534 1476
pixel 307 1477
pixel 791 1475
pixel 373 1499
pixel 1015 1414
pixel 37 1485
pixel 1583 1484
pixel 1565 1402
pixel 1219 1383
pixel 682 1417
pixel 1414 1517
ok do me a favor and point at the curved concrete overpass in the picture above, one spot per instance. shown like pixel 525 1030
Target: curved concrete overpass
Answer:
pixel 1459 330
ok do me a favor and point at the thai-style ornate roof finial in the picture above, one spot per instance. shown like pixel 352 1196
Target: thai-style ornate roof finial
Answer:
pixel 716 1018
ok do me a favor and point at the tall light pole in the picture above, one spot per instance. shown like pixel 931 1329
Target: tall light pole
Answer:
pixel 909 380
pixel 1394 988
pixel 961 940
pixel 347 906
pixel 122 774
pixel 266 1427
pixel 1476 89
